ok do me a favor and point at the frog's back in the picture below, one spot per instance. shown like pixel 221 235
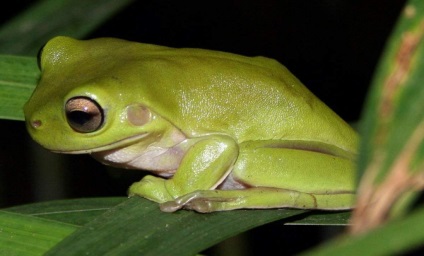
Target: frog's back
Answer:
pixel 249 98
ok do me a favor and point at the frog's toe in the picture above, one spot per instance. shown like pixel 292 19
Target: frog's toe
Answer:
pixel 170 206
pixel 200 205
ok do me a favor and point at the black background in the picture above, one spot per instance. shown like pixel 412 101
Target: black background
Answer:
pixel 331 46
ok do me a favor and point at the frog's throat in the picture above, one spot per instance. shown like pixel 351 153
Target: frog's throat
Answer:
pixel 116 144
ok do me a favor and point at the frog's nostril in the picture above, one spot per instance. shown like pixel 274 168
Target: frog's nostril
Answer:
pixel 36 124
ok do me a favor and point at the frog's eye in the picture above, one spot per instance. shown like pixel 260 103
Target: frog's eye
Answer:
pixel 84 114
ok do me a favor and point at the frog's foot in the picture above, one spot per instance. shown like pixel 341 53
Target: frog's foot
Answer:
pixel 152 188
pixel 200 201
pixel 257 198
pixel 223 200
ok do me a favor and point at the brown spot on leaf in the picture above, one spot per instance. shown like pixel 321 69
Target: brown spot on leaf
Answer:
pixel 410 11
pixel 401 69
pixel 376 201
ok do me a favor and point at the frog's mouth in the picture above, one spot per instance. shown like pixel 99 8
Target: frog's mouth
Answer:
pixel 117 144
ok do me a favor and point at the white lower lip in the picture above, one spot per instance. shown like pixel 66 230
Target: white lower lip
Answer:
pixel 116 144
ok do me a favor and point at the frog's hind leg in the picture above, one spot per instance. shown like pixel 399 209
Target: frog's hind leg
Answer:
pixel 279 176
pixel 257 198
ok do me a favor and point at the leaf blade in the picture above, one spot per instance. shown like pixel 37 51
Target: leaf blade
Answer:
pixel 18 76
pixel 22 234
pixel 396 237
pixel 138 226
pixel 27 32
pixel 72 211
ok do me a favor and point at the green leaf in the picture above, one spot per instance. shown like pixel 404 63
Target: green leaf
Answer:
pixel 71 211
pixel 396 100
pixel 136 224
pixel 137 227
pixel 392 157
pixel 81 211
pixel 395 238
pixel 30 30
pixel 26 235
pixel 18 76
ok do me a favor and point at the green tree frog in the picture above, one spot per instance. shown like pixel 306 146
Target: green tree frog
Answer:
pixel 219 131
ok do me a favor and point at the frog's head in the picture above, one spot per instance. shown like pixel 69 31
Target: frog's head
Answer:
pixel 82 107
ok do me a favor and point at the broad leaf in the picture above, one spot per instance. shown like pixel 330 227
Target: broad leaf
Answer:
pixel 136 225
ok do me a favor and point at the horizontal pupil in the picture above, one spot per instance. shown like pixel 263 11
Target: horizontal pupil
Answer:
pixel 79 117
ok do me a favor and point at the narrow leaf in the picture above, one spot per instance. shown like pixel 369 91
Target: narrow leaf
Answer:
pixel 71 211
pixel 18 76
pixel 27 32
pixel 394 126
pixel 394 238
pixel 25 235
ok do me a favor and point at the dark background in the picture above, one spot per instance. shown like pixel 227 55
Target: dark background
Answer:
pixel 332 46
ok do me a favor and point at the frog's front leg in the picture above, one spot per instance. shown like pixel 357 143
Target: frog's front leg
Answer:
pixel 152 188
pixel 205 165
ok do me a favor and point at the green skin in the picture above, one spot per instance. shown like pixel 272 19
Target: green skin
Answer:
pixel 224 131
